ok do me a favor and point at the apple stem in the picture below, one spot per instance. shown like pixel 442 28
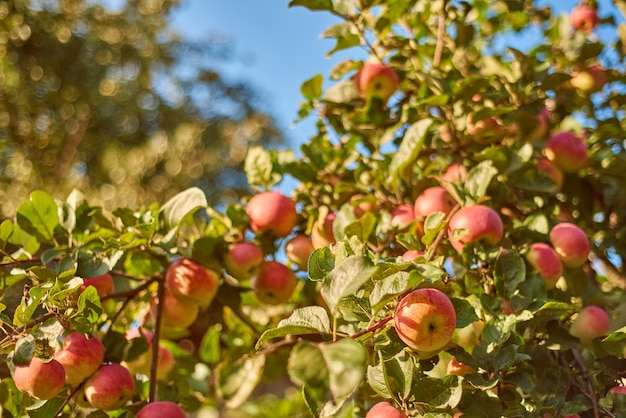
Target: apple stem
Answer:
pixel 155 342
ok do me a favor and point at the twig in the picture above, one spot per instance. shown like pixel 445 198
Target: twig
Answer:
pixel 591 394
pixel 441 234
pixel 373 328
pixel 28 326
pixel 155 342
pixel 441 31
pixel 67 399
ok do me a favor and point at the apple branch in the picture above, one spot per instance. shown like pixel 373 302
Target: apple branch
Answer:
pixel 370 330
pixel 155 342
pixel 589 392
pixel 441 31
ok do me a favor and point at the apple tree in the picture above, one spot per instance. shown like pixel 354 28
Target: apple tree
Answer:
pixel 453 245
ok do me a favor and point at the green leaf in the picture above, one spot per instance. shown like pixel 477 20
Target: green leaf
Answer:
pixel 345 35
pixel 312 88
pixel 433 224
pixel 465 312
pixel 306 320
pixel 179 206
pixel 478 179
pixel 26 309
pixel 24 350
pixel 392 286
pixel 237 381
pixel 509 271
pixel 313 4
pixel 6 229
pixel 89 307
pixel 409 149
pixel 39 216
pixel 438 393
pixel 45 409
pixel 346 278
pixel 321 262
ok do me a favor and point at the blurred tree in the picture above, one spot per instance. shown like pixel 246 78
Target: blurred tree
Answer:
pixel 113 103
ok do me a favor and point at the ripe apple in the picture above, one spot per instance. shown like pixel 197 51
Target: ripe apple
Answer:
pixel 376 80
pixel 275 283
pixel 363 204
pixel 110 388
pixel 589 80
pixel 546 261
pixel 455 173
pixel 103 284
pixel 412 255
pixel 384 410
pixel 425 319
pixel 322 235
pixel 191 281
pixel 591 322
pixel 551 171
pixel 40 379
pixel 272 212
pixel 475 223
pixel 298 250
pixel 243 260
pixel 431 200
pixel 80 356
pixel 483 131
pixel 402 216
pixel 456 368
pixel 567 151
pixel 571 244
pixel 142 364
pixel 161 409
pixel 618 390
pixel 176 312
pixel 584 18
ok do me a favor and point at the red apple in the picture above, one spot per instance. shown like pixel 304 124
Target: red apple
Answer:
pixel 475 223
pixel 431 200
pixel 591 322
pixel 191 281
pixel 412 255
pixel 584 18
pixel 455 367
pixel 298 250
pixel 455 173
pixel 103 284
pixel 363 204
pixel 618 390
pixel 176 312
pixel 80 356
pixel 40 379
pixel 567 151
pixel 571 244
pixel 551 171
pixel 275 283
pixel 243 261
pixel 161 409
pixel 142 363
pixel 110 388
pixel 425 319
pixel 272 212
pixel 376 80
pixel 402 216
pixel 322 235
pixel 384 410
pixel 589 80
pixel 546 261
pixel 483 131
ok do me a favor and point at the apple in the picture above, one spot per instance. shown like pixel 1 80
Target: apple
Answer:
pixel 425 319
pixel 40 379
pixel 468 336
pixel 551 171
pixel 402 216
pixel 191 281
pixel 161 409
pixel 456 368
pixel 543 258
pixel 591 322
pixel 618 390
pixel 142 364
pixel 298 250
pixel 110 388
pixel 103 284
pixel 431 200
pixel 322 235
pixel 80 356
pixel 584 18
pixel 384 410
pixel 376 80
pixel 475 223
pixel 411 255
pixel 176 312
pixel 275 283
pixel 571 244
pixel 272 212
pixel 567 152
pixel 589 80
pixel 363 204
pixel 243 260
pixel 483 131
pixel 455 173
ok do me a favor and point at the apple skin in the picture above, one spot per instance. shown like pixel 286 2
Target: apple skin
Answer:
pixel 189 280
pixel 376 80
pixel 103 284
pixel 481 222
pixel 272 212
pixel 402 216
pixel 411 255
pixel 80 356
pixel 110 388
pixel 455 173
pixel 40 379
pixel 618 390
pixel 176 312
pixel 543 258
pixel 384 410
pixel 431 200
pixel 591 322
pixel 275 283
pixel 589 80
pixel 141 364
pixel 362 205
pixel 425 319
pixel 324 236
pixel 551 171
pixel 161 409
pixel 298 250
pixel 570 243
pixel 456 368
pixel 567 152
pixel 243 261
pixel 584 18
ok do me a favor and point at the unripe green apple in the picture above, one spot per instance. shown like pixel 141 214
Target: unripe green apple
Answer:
pixel 376 80
pixel 298 250
pixel 469 336
pixel 543 258
pixel 584 18
pixel 161 409
pixel 570 243
pixel 475 223
pixel 40 379
pixel 103 284
pixel 110 388
pixel 275 283
pixel 189 280
pixel 567 151
pixel 80 356
pixel 591 322
pixel 483 131
pixel 322 235
pixel 425 319
pixel 243 261
pixel 176 312
pixel 384 410
pixel 431 200
pixel 456 368
pixel 273 212
pixel 551 171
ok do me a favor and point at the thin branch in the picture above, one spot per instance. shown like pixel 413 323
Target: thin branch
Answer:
pixel 441 31
pixel 28 326
pixel 373 328
pixel 155 342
